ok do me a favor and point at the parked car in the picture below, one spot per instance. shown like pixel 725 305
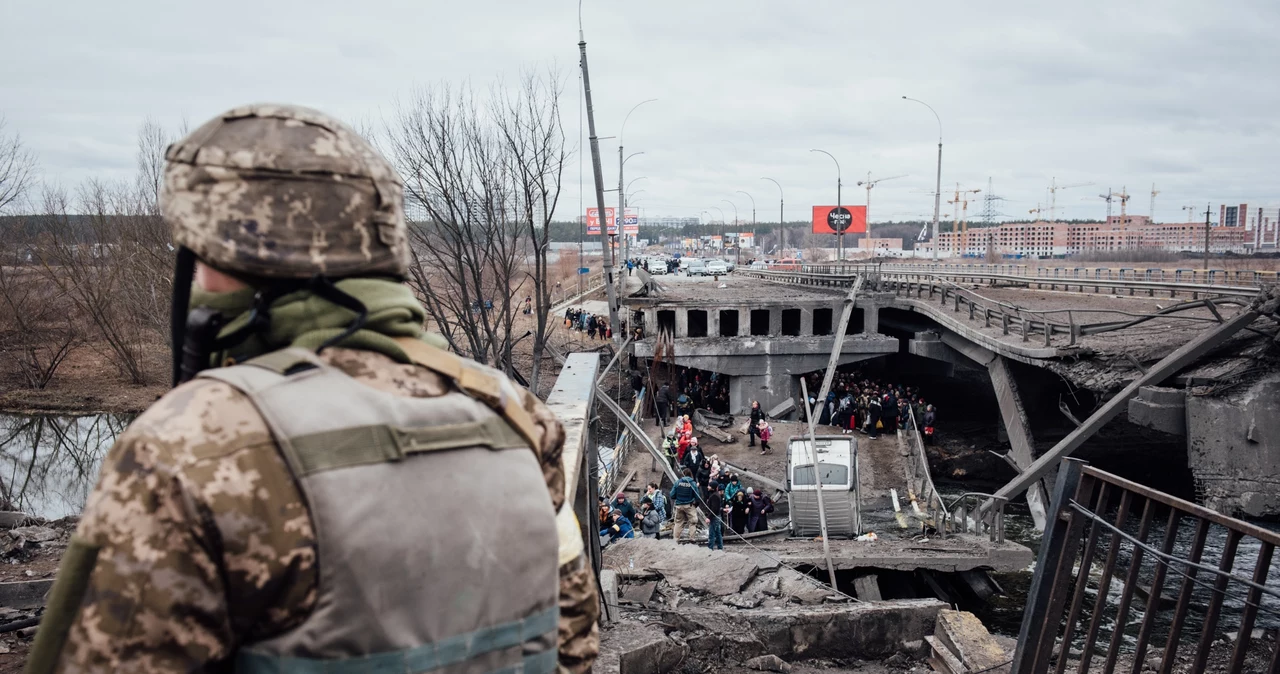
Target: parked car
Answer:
pixel 693 267
pixel 657 268
pixel 716 268
pixel 730 264
pixel 759 264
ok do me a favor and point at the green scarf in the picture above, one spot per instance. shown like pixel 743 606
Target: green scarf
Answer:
pixel 305 320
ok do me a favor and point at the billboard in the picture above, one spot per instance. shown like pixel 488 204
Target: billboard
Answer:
pixel 746 239
pixel 630 221
pixel 849 220
pixel 593 221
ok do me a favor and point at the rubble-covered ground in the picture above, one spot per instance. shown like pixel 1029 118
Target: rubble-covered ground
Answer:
pixel 29 556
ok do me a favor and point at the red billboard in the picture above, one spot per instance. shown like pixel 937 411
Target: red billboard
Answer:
pixel 849 219
pixel 593 221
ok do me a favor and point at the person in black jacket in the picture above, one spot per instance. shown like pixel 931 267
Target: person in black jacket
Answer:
pixel 623 505
pixel 662 402
pixel 758 508
pixel 716 511
pixel 756 415
pixel 738 513
pixel 703 476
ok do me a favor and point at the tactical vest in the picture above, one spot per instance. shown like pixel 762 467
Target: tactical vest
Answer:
pixel 437 542
pixel 684 492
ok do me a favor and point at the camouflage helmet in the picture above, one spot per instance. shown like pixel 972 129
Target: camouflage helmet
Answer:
pixel 285 192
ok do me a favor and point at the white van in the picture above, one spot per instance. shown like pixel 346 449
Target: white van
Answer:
pixel 838 460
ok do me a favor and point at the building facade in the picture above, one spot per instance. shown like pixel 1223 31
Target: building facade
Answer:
pixel 1118 233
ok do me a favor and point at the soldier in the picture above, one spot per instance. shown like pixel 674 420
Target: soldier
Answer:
pixel 317 495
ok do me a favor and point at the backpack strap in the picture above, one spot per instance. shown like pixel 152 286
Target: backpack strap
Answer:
pixel 475 382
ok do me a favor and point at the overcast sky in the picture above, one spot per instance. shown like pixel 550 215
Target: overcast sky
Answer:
pixel 1184 94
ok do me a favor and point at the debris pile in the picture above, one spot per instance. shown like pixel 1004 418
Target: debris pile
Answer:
pixel 30 549
pixel 676 604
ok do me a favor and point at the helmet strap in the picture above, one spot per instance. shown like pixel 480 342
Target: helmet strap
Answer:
pixel 183 274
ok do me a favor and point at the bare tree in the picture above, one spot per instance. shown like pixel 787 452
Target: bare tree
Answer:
pixel 36 330
pixel 468 246
pixel 17 168
pixel 533 138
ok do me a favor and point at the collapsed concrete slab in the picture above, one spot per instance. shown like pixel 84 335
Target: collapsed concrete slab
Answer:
pixel 858 631
pixel 1160 408
pixel 690 567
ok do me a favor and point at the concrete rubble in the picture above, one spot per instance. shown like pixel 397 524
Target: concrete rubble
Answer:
pixel 684 602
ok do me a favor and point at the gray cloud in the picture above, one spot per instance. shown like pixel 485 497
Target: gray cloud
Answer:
pixel 1180 93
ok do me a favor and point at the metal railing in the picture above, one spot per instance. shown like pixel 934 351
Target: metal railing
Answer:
pixel 1236 277
pixel 1044 325
pixel 1150 538
pixel 954 518
pixel 1148 282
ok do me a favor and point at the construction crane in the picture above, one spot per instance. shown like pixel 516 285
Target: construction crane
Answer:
pixel 1152 212
pixel 1053 195
pixel 869 183
pixel 1108 197
pixel 961 202
pixel 1123 196
pixel 1037 210
pixel 1191 213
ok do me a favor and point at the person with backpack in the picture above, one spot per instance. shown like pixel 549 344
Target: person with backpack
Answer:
pixel 659 500
pixel 765 431
pixel 650 520
pixel 685 496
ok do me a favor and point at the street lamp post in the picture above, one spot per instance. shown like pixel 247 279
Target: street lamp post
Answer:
pixel 622 207
pixel 735 222
pixel 782 227
pixel 738 255
pixel 839 181
pixel 937 192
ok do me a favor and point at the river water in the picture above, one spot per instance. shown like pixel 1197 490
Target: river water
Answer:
pixel 48 464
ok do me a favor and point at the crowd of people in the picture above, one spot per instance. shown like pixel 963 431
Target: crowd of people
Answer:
pixel 694 389
pixel 707 495
pixel 869 405
pixel 582 321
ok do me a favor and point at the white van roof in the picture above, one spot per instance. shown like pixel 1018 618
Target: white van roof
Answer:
pixel 831 449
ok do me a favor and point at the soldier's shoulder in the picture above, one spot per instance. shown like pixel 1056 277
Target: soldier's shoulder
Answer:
pixel 201 419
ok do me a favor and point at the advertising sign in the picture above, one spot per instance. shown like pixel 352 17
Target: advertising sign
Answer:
pixel 630 221
pixel 746 239
pixel 715 242
pixel 845 219
pixel 593 221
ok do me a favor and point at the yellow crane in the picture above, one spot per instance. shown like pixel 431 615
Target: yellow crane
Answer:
pixel 1053 195
pixel 961 202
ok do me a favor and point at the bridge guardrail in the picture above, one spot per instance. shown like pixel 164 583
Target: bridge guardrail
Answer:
pixel 1139 527
pixel 1068 323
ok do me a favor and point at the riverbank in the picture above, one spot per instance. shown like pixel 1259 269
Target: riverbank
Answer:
pixel 87 382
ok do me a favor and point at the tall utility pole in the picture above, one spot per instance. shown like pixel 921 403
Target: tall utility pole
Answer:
pixel 621 217
pixel 1152 212
pixel 735 223
pixel 839 235
pixel 1207 211
pixel 782 223
pixel 738 255
pixel 937 191
pixel 606 249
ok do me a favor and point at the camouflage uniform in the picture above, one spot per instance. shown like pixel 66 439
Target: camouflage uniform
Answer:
pixel 204 540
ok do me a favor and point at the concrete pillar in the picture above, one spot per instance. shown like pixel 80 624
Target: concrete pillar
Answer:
pixel 870 318
pixel 650 322
pixel 770 389
pixel 744 321
pixel 1019 431
pixel 713 322
pixel 806 321
pixel 682 322
pixel 775 322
